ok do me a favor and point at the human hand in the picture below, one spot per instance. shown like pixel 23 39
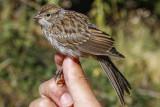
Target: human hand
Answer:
pixel 76 91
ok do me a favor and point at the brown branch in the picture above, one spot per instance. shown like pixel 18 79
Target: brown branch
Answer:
pixel 31 4
pixel 149 93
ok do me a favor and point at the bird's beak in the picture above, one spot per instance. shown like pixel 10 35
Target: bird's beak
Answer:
pixel 37 17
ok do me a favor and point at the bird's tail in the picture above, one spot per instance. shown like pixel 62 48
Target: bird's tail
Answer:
pixel 118 81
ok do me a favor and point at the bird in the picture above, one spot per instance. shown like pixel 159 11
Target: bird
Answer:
pixel 72 34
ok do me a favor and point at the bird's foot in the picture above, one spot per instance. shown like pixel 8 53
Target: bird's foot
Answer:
pixel 59 78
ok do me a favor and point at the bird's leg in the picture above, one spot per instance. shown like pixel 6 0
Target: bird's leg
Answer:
pixel 59 78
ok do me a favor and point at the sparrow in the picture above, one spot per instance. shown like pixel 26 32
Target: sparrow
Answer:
pixel 72 34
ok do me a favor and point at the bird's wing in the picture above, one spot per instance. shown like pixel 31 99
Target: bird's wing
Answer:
pixel 76 32
pixel 99 43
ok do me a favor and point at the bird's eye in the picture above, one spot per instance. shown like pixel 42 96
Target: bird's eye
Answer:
pixel 48 15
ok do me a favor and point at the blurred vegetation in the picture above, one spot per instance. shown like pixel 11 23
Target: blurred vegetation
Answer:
pixel 27 59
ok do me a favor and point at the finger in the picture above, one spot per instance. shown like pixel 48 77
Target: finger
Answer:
pixel 59 95
pixel 42 102
pixel 59 60
pixel 77 84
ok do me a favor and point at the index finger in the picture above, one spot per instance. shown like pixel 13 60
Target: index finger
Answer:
pixel 59 59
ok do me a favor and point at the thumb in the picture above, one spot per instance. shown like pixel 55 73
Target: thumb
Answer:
pixel 77 84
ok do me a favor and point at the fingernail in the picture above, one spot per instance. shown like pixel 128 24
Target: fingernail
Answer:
pixel 66 99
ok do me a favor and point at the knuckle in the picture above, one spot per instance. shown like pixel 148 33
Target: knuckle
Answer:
pixel 41 89
pixel 74 77
pixel 47 87
pixel 43 102
pixel 40 102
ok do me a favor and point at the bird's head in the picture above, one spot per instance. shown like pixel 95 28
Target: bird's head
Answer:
pixel 48 15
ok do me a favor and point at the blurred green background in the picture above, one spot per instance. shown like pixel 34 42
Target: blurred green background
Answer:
pixel 27 59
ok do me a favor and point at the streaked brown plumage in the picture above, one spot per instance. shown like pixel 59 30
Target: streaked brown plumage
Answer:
pixel 72 34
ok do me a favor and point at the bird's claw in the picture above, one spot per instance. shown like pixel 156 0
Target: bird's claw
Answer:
pixel 59 78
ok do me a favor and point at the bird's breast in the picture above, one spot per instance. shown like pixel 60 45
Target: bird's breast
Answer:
pixel 60 47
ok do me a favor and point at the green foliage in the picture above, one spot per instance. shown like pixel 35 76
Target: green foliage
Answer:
pixel 27 59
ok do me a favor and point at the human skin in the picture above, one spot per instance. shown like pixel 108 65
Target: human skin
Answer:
pixel 76 91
